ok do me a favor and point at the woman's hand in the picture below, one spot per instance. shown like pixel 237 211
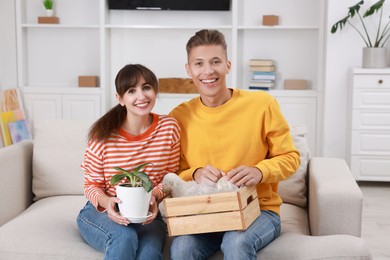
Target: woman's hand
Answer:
pixel 109 204
pixel 153 208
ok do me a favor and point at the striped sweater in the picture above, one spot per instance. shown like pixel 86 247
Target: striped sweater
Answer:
pixel 159 145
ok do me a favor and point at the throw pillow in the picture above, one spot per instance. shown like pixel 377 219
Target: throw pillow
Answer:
pixel 293 190
pixel 59 147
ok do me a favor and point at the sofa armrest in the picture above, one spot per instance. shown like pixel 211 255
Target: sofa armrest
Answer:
pixel 335 199
pixel 16 175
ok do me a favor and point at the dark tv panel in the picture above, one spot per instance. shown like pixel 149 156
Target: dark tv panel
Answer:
pixel 198 5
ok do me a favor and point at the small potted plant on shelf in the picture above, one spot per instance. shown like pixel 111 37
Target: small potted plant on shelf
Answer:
pixel 48 4
pixel 374 54
pixel 134 192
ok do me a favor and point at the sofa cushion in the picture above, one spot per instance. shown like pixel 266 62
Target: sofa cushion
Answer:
pixel 59 147
pixel 47 230
pixel 293 190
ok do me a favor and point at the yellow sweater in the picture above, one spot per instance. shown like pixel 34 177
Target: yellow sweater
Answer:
pixel 248 130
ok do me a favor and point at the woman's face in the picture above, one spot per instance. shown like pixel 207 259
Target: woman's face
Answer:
pixel 139 100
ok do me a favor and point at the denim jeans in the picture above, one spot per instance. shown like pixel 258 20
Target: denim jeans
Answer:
pixel 135 241
pixel 235 245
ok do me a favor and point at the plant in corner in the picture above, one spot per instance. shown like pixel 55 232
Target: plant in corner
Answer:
pixel 135 193
pixel 382 35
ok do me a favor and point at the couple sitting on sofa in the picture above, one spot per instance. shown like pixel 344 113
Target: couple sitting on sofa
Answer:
pixel 224 132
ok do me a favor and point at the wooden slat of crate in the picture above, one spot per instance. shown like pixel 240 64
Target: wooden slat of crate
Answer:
pixel 219 202
pixel 214 222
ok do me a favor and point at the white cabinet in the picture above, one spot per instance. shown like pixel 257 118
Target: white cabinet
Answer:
pixel 60 103
pixel 370 124
pixel 301 110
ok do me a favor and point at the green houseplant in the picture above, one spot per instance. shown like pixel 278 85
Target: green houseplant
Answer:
pixel 135 178
pixel 135 193
pixel 48 4
pixel 375 43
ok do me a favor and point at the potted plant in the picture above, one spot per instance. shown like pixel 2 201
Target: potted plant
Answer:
pixel 134 192
pixel 374 54
pixel 48 4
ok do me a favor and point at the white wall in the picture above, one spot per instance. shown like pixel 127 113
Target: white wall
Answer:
pixel 8 61
pixel 343 53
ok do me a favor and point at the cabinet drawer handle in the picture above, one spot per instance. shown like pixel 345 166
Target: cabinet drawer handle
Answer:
pixel 380 81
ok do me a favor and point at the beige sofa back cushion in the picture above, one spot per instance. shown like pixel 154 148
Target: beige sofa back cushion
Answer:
pixel 59 147
pixel 293 190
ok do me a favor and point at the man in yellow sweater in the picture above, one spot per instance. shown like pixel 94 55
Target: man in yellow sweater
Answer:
pixel 235 133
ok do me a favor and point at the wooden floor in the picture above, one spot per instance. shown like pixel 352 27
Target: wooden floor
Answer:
pixel 376 218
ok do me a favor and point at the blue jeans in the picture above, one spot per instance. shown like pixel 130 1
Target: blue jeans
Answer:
pixel 135 241
pixel 235 245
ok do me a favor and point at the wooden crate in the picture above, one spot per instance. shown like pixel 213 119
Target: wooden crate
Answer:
pixel 212 213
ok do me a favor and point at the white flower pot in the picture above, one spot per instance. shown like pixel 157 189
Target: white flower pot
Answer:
pixel 49 12
pixel 135 201
pixel 374 57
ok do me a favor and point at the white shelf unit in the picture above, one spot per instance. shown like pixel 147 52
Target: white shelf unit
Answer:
pixel 369 144
pixel 52 56
pixel 92 40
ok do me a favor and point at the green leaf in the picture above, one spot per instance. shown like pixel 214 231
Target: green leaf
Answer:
pixel 339 24
pixel 117 178
pixel 139 167
pixel 134 177
pixel 48 4
pixel 374 8
pixel 355 9
pixel 146 182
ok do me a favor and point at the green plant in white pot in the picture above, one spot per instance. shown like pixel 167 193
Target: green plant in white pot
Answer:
pixel 374 54
pixel 48 4
pixel 135 193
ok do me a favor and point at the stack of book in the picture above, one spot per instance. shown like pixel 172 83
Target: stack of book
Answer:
pixel 13 123
pixel 263 74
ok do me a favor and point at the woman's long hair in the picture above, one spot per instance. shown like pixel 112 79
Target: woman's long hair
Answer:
pixel 112 121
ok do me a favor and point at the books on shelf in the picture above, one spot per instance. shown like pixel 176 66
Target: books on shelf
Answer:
pixel 259 88
pixel 262 68
pixel 261 62
pixel 263 74
pixel 262 84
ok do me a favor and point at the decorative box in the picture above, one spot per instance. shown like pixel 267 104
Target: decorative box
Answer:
pixel 88 81
pixel 270 20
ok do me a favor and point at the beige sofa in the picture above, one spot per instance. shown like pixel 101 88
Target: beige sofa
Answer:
pixel 42 192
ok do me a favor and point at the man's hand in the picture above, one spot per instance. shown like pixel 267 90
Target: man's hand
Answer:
pixel 244 175
pixel 208 175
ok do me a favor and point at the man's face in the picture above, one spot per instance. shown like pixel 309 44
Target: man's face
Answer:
pixel 207 66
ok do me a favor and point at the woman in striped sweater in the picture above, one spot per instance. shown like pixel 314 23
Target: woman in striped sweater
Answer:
pixel 126 136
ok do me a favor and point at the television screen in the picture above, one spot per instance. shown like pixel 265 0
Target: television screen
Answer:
pixel 201 5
